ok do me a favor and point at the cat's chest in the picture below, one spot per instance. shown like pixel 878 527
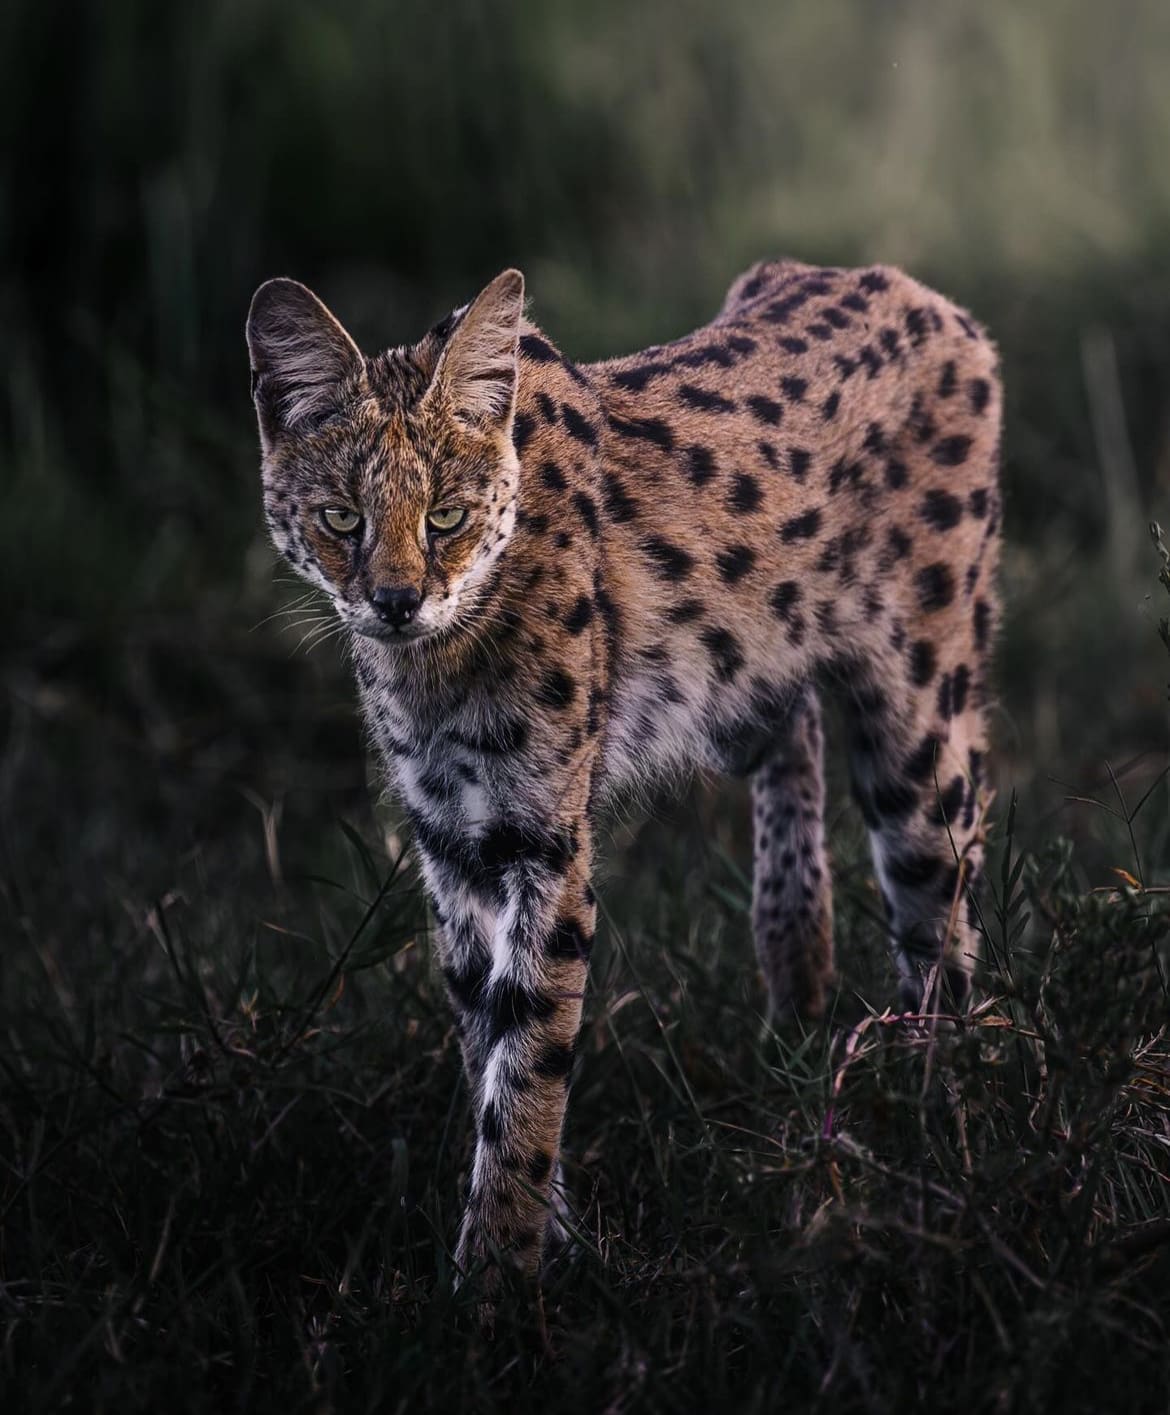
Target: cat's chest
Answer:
pixel 463 771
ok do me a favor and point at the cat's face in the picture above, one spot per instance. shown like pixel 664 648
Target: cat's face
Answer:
pixel 389 482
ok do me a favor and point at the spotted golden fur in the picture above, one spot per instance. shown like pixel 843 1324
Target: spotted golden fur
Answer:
pixel 662 560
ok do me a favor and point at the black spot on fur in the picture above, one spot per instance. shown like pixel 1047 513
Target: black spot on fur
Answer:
pixel 922 662
pixel 780 311
pixel 960 686
pixel 548 409
pixel 799 461
pixel 893 800
pixel 705 355
pixel 875 439
pixel 948 380
pixel 635 379
pixel 948 805
pixel 979 392
pixel 523 426
pixel 791 345
pixel 671 562
pixel 490 1130
pixel 768 453
pixel 580 615
pixel 685 611
pixel 533 347
pixel 647 429
pixel 784 599
pixel 936 587
pixel 512 1006
pixel 620 506
pixel 916 325
pixel 845 472
pixel 891 344
pixel 509 843
pixel 794 388
pixel 556 689
pixel 555 1062
pixel 587 509
pixel 871 360
pixel 725 650
pixel 539 1167
pixel 734 563
pixel 896 474
pixel 977 501
pixel 552 476
pixel 578 426
pixel 951 451
pixel 765 410
pixel 873 281
pixel 704 399
pixel 802 527
pixel 745 494
pixel 466 984
pixel 941 510
pixel 700 464
pixel 981 620
pixel 920 763
pixel 568 940
pixel 830 406
pixel 920 421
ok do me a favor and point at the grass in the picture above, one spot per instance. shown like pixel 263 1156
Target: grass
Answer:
pixel 233 1130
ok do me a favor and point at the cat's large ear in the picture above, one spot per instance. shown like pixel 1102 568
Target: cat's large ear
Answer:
pixel 476 373
pixel 301 356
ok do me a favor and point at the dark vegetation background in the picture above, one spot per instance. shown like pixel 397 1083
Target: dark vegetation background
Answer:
pixel 231 1127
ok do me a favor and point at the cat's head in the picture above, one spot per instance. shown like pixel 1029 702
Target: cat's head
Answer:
pixel 389 482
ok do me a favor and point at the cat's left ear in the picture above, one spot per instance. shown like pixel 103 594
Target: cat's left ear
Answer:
pixel 301 358
pixel 476 373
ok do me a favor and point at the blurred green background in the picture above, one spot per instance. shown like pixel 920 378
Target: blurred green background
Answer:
pixel 158 161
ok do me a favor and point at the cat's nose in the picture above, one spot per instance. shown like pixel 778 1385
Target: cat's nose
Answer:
pixel 395 604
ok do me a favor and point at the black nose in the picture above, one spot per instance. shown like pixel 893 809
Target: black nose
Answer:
pixel 395 603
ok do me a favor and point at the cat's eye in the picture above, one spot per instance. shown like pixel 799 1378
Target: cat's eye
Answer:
pixel 446 518
pixel 341 520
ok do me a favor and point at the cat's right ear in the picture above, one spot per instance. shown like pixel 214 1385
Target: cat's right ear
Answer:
pixel 301 358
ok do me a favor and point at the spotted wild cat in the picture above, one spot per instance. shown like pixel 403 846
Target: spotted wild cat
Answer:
pixel 560 579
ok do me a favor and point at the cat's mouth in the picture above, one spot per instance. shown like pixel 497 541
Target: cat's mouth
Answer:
pixel 390 633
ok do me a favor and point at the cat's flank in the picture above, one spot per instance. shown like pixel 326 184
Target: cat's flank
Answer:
pixel 560 579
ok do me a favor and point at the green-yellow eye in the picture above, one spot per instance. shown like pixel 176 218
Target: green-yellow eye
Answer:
pixel 446 518
pixel 341 519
